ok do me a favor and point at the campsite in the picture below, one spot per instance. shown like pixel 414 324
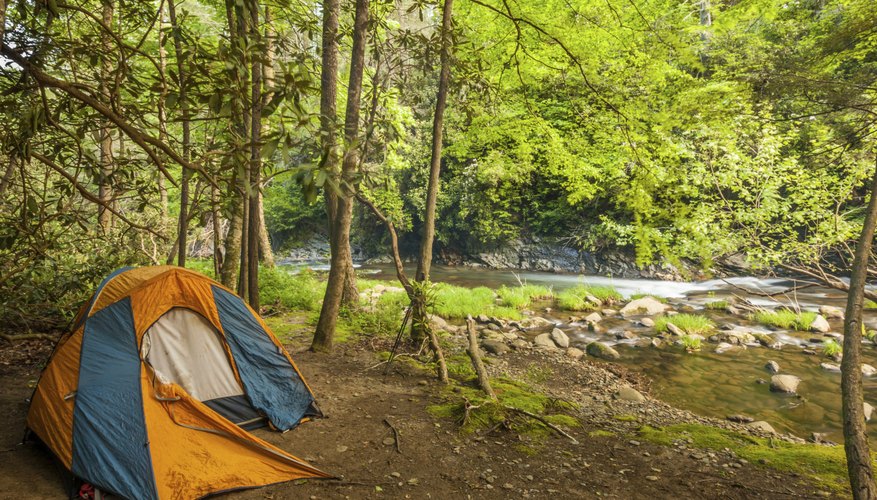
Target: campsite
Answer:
pixel 438 249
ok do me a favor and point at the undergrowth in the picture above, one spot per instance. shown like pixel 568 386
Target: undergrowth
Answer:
pixel 575 299
pixel 522 296
pixel 688 323
pixel 456 302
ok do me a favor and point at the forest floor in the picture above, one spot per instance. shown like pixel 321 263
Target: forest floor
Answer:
pixel 434 459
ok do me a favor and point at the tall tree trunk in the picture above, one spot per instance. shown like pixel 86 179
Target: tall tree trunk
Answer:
pixel 254 223
pixel 855 439
pixel 266 255
pixel 183 224
pixel 424 263
pixel 232 245
pixel 341 262
pixel 105 188
pixel 162 112
pixel 216 215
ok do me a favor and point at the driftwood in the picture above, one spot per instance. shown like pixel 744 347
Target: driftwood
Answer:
pixel 475 354
pixel 442 367
pixel 395 436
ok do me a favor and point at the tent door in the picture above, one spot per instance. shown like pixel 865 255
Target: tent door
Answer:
pixel 183 347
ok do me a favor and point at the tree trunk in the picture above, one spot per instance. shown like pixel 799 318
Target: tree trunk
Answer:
pixel 217 231
pixel 425 260
pixel 341 267
pixel 162 112
pixel 254 224
pixel 232 257
pixel 855 439
pixel 266 254
pixel 182 81
pixel 105 188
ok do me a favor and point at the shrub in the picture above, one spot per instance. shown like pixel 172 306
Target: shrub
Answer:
pixel 691 343
pixel 688 323
pixel 384 319
pixel 831 348
pixel 785 319
pixel 574 299
pixel 280 290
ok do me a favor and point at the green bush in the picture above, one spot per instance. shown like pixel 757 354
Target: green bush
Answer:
pixel 384 319
pixel 574 299
pixel 786 319
pixel 522 296
pixel 688 323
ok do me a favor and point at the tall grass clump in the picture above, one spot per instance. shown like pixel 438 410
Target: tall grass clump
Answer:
pixel 717 305
pixel 283 291
pixel 458 302
pixel 522 296
pixel 574 299
pixel 382 319
pixel 785 319
pixel 688 323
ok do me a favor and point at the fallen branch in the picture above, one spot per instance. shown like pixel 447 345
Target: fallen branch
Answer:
pixel 544 422
pixel 27 336
pixel 395 436
pixel 475 355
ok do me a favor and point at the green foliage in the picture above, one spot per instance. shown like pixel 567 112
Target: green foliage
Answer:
pixel 281 290
pixel 824 464
pixel 786 319
pixel 520 297
pixel 457 302
pixel 383 319
pixel 691 343
pixel 635 296
pixel 831 348
pixel 688 323
pixel 575 299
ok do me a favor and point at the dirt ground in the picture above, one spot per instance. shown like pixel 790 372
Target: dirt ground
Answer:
pixel 433 460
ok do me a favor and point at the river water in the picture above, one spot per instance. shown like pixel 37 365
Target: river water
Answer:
pixel 705 382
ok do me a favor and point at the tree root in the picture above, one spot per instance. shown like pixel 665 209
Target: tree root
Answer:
pixel 27 336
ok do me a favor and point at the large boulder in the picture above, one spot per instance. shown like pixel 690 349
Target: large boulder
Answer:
pixel 644 305
pixel 830 367
pixel 560 338
pixel 593 318
pixel 762 426
pixel 495 347
pixel 602 351
pixel 574 353
pixel 544 340
pixel 820 324
pixel 626 393
pixel 784 383
pixel 733 337
pixel 536 322
pixel 831 312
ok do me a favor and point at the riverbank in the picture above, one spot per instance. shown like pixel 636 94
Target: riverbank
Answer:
pixel 381 439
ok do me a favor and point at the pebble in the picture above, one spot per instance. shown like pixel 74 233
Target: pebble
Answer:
pixel 341 449
pixel 652 478
pixel 389 441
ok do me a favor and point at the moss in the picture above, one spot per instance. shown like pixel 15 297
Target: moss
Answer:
pixel 599 433
pixel 575 299
pixel 290 325
pixel 689 323
pixel 786 319
pixel 522 296
pixel 717 305
pixel 824 464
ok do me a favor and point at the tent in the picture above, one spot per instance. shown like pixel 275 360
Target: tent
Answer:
pixel 149 394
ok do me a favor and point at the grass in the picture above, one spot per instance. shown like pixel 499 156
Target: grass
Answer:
pixel 458 302
pixel 826 465
pixel 717 305
pixel 635 296
pixel 785 319
pixel 383 319
pixel 831 348
pixel 690 343
pixel 520 297
pixel 282 291
pixel 574 299
pixel 688 323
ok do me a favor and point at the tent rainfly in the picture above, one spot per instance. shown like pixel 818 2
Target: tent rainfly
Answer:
pixel 149 394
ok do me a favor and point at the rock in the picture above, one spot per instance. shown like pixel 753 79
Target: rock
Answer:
pixel 723 347
pixel 560 338
pixel 656 342
pixel 733 310
pixel 601 350
pixel 734 337
pixel 762 426
pixel 644 305
pixel 831 312
pixel 609 312
pixel 820 324
pixel 593 318
pixel 647 322
pixel 784 383
pixel 482 318
pixel 868 411
pixel 626 393
pixel 520 344
pixel 388 441
pixel 536 322
pixel 764 339
pixel 494 327
pixel 675 330
pixel 809 352
pixel 594 327
pixel 495 347
pixel 830 367
pixel 575 353
pixel 868 370
pixel 593 300
pixel 819 438
pixel 740 419
pixel 544 340
pixel 437 322
pixel 772 366
pixel 626 334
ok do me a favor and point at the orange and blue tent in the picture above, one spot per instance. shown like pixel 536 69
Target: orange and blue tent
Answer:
pixel 151 393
